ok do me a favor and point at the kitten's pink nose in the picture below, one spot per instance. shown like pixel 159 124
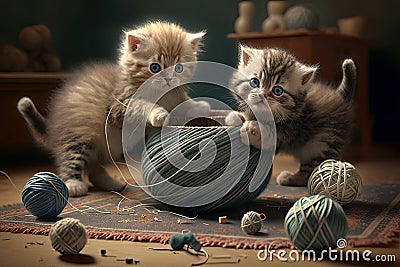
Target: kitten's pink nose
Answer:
pixel 167 79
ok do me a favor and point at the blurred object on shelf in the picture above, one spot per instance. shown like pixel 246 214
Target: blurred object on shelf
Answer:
pixel 245 19
pixel 274 21
pixel 35 54
pixel 298 16
pixel 355 25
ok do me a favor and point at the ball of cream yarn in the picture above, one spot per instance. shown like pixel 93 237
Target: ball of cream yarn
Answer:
pixel 251 222
pixel 338 180
pixel 68 236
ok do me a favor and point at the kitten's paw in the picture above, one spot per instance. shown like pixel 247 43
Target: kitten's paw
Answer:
pixel 117 186
pixel 284 178
pixel 348 65
pixel 76 188
pixel 250 134
pixel 101 179
pixel 199 109
pixel 233 119
pixel 290 179
pixel 157 117
pixel 24 105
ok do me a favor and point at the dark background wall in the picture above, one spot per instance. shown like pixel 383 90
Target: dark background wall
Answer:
pixel 91 30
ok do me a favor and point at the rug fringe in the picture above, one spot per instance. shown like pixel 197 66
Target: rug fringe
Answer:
pixel 206 240
pixel 385 237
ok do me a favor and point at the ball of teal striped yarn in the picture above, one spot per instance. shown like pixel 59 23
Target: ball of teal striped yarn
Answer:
pixel 315 223
pixel 45 195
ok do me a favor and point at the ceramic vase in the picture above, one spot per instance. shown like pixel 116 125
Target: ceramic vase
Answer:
pixel 245 19
pixel 274 21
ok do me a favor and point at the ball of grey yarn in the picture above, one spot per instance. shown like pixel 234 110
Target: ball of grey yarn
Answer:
pixel 68 236
pixel 251 222
pixel 299 16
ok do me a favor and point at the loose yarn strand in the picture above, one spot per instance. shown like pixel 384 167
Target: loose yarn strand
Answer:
pixel 108 146
pixel 144 206
pixel 74 207
pixel 9 178
pixel 119 101
pixel 201 262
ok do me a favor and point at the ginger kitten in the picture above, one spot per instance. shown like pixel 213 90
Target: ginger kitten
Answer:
pixel 74 131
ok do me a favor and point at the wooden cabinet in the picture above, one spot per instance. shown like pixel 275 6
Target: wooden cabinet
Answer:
pixel 38 86
pixel 328 50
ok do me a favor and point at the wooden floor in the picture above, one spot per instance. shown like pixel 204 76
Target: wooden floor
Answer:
pixel 14 250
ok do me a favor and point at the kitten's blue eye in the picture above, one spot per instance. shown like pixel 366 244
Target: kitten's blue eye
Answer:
pixel 155 67
pixel 178 68
pixel 254 82
pixel 277 90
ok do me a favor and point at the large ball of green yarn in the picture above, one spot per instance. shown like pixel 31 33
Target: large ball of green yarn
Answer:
pixel 316 223
pixel 155 162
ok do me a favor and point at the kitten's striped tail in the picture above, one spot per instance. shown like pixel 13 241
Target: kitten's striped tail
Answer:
pixel 36 122
pixel 349 81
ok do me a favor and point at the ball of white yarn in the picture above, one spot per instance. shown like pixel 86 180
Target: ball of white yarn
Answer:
pixel 251 222
pixel 68 236
pixel 338 180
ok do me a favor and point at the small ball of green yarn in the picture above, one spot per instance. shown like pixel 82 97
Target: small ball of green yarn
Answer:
pixel 251 222
pixel 338 180
pixel 68 236
pixel 315 223
pixel 45 195
pixel 177 242
pixel 299 16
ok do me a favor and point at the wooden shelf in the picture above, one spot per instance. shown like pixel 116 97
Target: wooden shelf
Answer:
pixel 11 80
pixel 296 33
pixel 14 85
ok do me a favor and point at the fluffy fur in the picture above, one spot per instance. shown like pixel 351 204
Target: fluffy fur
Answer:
pixel 313 120
pixel 74 131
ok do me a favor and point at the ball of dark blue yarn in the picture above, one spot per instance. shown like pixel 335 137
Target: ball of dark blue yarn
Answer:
pixel 45 195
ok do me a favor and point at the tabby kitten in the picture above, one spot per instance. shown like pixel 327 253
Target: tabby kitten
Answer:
pixel 74 131
pixel 313 120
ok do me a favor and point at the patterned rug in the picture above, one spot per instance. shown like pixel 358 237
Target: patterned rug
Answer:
pixel 374 219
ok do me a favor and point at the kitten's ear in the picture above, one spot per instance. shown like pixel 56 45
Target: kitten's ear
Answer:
pixel 245 55
pixel 308 74
pixel 195 39
pixel 134 40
